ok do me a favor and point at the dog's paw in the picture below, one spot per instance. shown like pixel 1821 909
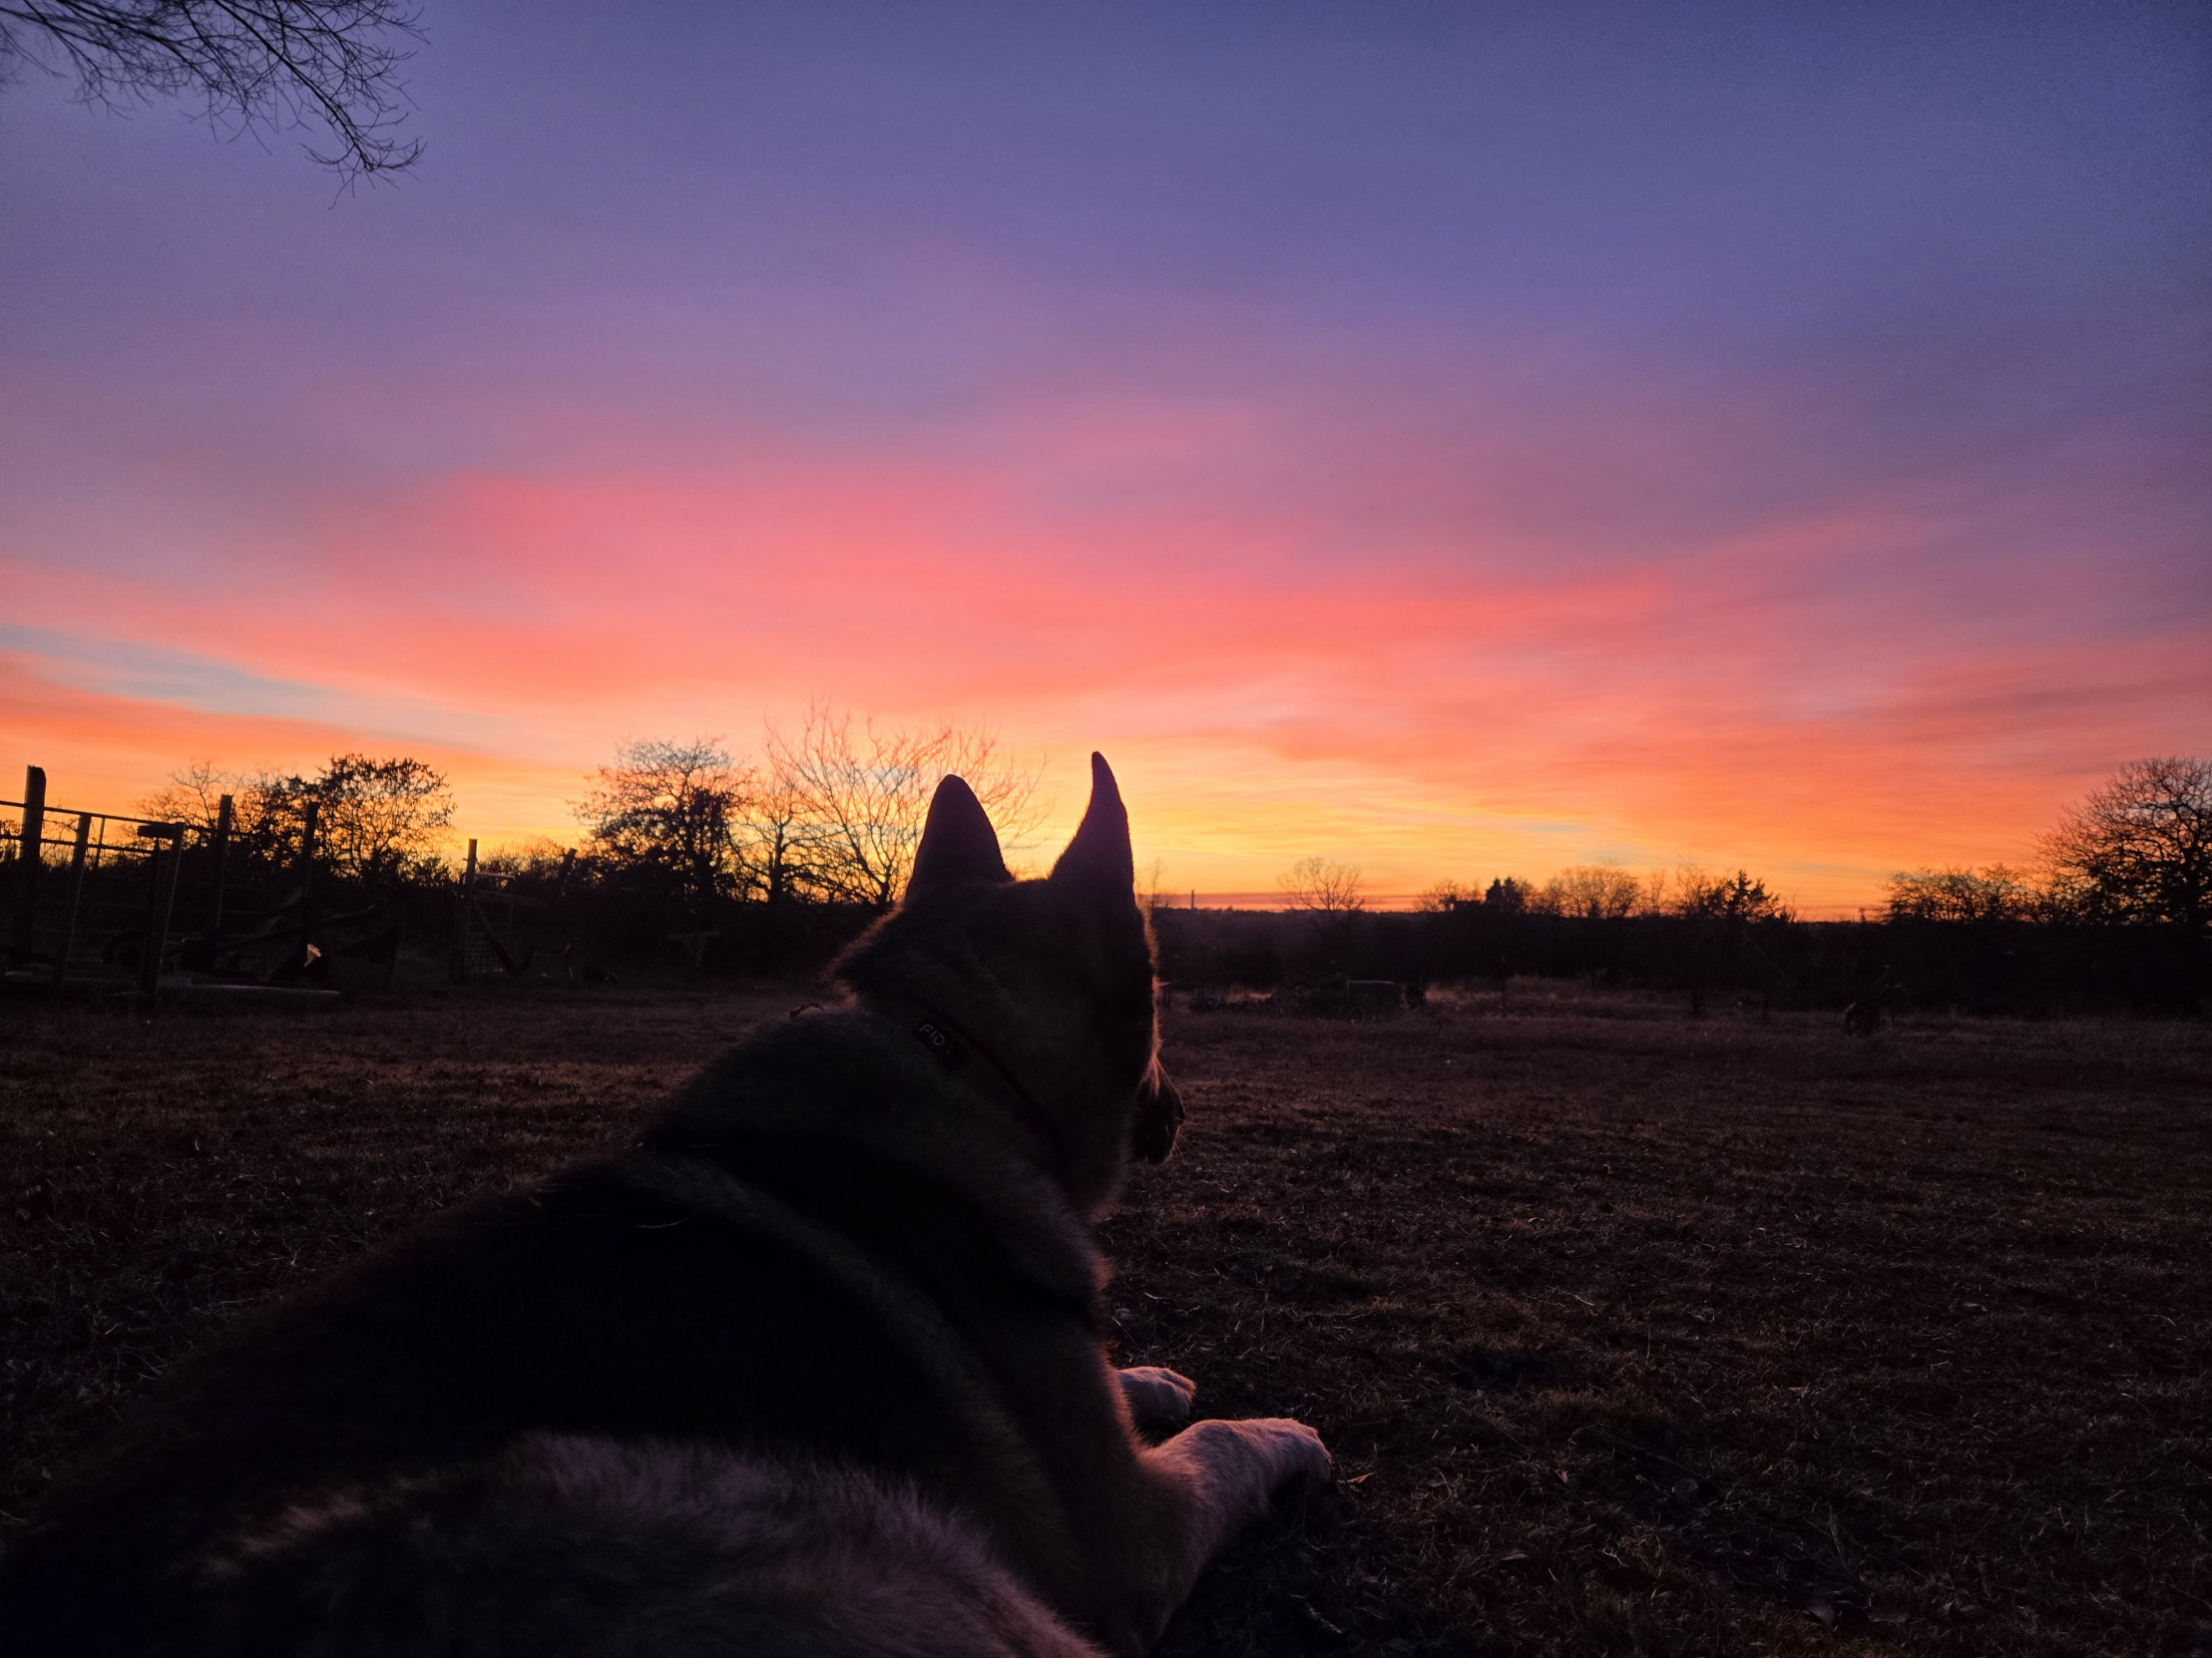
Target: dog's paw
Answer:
pixel 1156 1396
pixel 1295 1450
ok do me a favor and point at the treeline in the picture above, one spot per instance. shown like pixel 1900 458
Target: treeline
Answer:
pixel 2137 851
pixel 381 821
pixel 2026 968
pixel 685 850
pixel 2114 918
pixel 770 862
pixel 829 813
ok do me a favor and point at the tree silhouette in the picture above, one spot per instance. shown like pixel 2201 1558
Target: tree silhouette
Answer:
pixel 379 817
pixel 858 798
pixel 1442 896
pixel 1991 894
pixel 1699 894
pixel 331 64
pixel 664 813
pixel 1322 886
pixel 1592 892
pixel 2139 848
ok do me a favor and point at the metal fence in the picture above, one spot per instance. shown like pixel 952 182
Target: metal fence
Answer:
pixel 105 901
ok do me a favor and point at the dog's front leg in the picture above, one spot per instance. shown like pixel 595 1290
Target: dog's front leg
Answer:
pixel 1217 1476
pixel 1158 1398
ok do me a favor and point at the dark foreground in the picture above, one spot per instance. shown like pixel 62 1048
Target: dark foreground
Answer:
pixel 1630 1334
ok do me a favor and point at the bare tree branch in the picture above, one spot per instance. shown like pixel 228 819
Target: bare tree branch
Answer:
pixel 862 796
pixel 1323 886
pixel 332 64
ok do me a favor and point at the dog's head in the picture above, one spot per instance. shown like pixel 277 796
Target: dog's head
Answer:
pixel 1041 991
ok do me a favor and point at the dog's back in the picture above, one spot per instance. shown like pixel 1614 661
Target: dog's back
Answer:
pixel 798 1294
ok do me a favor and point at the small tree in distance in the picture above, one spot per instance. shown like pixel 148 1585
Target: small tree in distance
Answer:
pixel 1322 886
pixel 1442 896
pixel 1591 891
pixel 379 817
pixel 1991 894
pixel 665 812
pixel 1699 894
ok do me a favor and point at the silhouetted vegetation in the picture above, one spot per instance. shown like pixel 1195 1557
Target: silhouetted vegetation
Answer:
pixel 328 64
pixel 1323 887
pixel 2115 920
pixel 692 856
pixel 2022 969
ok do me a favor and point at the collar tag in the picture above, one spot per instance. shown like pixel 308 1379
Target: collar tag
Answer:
pixel 939 1042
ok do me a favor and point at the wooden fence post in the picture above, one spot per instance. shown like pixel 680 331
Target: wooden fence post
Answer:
pixel 28 864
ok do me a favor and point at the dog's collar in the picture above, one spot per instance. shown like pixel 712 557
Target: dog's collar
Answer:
pixel 950 1045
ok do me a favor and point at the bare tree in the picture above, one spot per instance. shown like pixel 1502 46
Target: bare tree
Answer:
pixel 778 845
pixel 864 794
pixel 1441 896
pixel 666 812
pixel 2139 848
pixel 1594 891
pixel 1700 894
pixel 266 807
pixel 377 817
pixel 1992 894
pixel 192 796
pixel 329 64
pixel 1322 886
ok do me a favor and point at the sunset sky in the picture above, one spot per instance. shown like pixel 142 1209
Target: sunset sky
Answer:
pixel 1452 439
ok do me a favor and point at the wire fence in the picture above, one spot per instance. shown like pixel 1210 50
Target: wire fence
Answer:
pixel 134 905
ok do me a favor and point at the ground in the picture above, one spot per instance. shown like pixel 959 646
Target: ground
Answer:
pixel 1631 1333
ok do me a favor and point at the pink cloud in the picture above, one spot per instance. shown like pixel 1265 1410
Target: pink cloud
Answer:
pixel 1474 686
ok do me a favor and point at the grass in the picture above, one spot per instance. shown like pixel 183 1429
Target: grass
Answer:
pixel 1630 1334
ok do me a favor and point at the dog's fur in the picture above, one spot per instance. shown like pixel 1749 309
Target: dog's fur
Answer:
pixel 816 1371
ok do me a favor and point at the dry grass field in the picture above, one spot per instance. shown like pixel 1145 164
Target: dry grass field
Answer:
pixel 1630 1334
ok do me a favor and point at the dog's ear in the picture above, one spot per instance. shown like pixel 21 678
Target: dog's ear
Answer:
pixel 958 841
pixel 1099 854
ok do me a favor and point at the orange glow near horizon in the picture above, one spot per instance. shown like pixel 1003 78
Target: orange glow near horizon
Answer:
pixel 1418 724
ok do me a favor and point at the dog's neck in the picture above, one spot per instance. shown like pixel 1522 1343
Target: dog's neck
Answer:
pixel 958 1050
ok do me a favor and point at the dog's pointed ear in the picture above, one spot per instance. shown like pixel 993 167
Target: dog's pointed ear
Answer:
pixel 958 841
pixel 1099 854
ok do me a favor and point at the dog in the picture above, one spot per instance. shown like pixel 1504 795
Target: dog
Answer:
pixel 816 1370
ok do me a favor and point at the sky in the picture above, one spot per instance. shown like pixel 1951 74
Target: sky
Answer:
pixel 1455 440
